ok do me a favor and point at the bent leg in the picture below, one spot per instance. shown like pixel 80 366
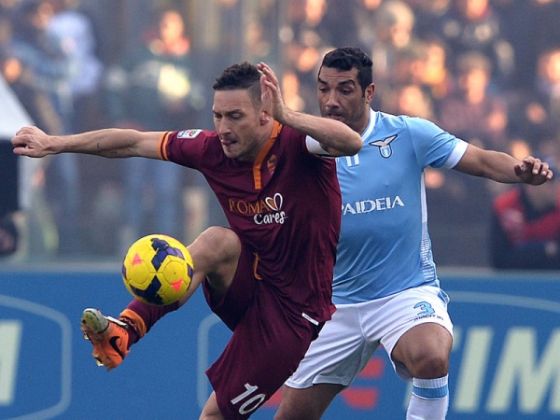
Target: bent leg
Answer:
pixel 424 352
pixel 215 253
pixel 306 403
pixel 330 364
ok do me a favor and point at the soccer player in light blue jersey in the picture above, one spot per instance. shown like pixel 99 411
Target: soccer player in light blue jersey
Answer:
pixel 385 287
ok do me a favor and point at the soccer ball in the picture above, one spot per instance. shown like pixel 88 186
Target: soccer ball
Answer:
pixel 157 269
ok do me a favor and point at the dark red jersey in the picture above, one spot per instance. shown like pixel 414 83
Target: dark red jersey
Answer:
pixel 285 207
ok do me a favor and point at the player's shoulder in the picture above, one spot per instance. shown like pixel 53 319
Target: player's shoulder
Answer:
pixel 404 122
pixel 289 132
pixel 194 138
pixel 183 146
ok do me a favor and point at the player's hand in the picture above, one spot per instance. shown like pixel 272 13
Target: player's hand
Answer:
pixel 271 94
pixel 32 142
pixel 533 171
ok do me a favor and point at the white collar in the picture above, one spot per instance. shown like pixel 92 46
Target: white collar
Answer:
pixel 371 124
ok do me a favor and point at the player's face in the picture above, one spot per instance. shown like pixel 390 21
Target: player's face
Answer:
pixel 237 122
pixel 342 98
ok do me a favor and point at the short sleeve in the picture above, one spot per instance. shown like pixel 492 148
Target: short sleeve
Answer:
pixel 185 147
pixel 433 145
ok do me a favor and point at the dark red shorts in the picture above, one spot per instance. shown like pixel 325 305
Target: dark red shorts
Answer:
pixel 269 339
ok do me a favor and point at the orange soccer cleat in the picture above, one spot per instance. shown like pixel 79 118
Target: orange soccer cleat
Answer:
pixel 109 337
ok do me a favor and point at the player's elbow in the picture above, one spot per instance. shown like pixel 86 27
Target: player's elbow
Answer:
pixel 355 145
pixel 351 145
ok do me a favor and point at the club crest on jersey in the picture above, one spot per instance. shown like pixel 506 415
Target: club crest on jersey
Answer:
pixel 384 145
pixel 188 134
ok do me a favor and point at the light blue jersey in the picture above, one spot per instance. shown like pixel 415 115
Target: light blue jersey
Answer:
pixel 384 245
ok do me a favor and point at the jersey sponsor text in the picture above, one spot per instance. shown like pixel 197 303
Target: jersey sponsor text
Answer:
pixel 374 204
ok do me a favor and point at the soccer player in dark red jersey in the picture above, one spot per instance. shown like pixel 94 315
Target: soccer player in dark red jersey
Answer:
pixel 269 275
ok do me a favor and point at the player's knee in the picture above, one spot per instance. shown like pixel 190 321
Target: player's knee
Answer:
pixel 215 246
pixel 430 365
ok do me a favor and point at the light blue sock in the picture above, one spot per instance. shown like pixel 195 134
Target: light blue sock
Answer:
pixel 429 399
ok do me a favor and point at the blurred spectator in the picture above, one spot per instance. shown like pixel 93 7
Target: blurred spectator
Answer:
pixel 473 25
pixel 364 14
pixel 525 231
pixel 38 71
pixel 548 81
pixel 155 88
pixel 412 100
pixel 41 62
pixel 394 32
pixel 409 66
pixel 8 7
pixel 472 112
pixel 9 234
pixel 429 15
pixel 418 47
pixel 535 111
pixel 304 36
pixel 75 33
pixel 436 77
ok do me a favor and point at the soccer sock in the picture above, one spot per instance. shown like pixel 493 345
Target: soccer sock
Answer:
pixel 141 317
pixel 429 399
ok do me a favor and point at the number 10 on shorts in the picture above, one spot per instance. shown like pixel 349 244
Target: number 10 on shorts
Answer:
pixel 251 403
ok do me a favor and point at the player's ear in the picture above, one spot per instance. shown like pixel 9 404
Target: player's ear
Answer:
pixel 370 90
pixel 264 117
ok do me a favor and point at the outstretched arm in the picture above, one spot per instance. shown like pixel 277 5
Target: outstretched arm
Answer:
pixel 110 143
pixel 334 136
pixel 502 167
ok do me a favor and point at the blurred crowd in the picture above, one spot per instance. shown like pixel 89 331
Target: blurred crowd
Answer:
pixel 485 70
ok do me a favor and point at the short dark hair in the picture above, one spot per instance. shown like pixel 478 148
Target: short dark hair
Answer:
pixel 243 76
pixel 347 58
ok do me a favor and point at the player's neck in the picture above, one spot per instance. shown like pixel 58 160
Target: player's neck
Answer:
pixel 363 123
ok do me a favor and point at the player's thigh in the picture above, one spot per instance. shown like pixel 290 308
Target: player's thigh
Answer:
pixel 308 403
pixel 339 352
pixel 231 304
pixel 424 348
pixel 419 327
pixel 266 346
pixel 211 411
pixel 215 253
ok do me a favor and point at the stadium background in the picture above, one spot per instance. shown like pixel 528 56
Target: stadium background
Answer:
pixel 421 50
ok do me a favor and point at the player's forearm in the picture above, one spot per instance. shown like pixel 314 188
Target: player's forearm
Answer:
pixel 110 143
pixel 335 137
pixel 500 167
pixel 490 164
